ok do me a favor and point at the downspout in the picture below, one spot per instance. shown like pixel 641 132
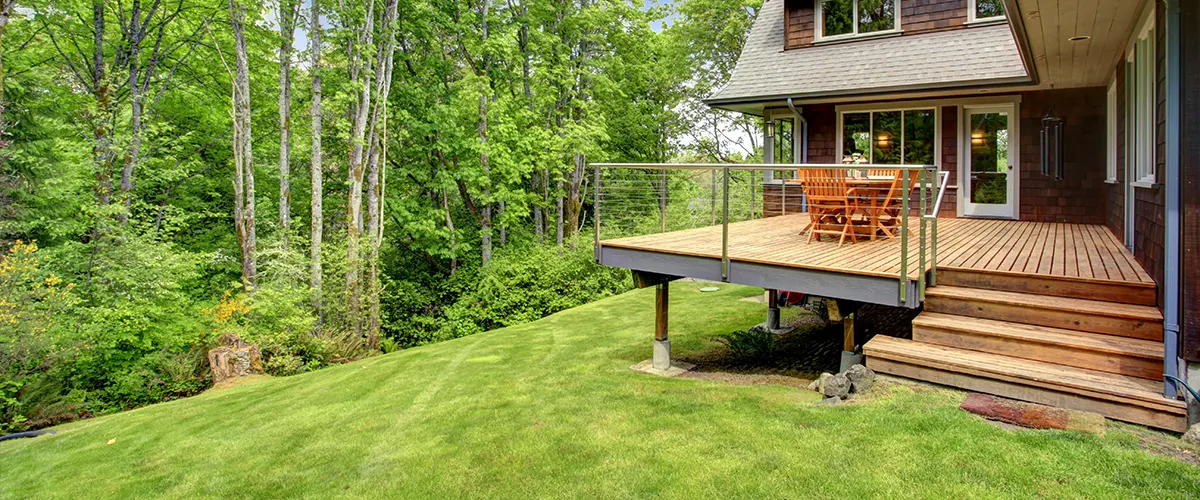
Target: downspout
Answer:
pixel 1171 184
pixel 804 134
pixel 803 124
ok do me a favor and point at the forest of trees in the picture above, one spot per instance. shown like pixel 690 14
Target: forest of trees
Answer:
pixel 326 179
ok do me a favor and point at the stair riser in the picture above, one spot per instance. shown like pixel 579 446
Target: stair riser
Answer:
pixel 1009 389
pixel 1108 292
pixel 1070 320
pixel 1051 353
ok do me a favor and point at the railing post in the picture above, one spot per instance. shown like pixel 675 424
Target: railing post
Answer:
pixel 933 253
pixel 904 236
pixel 596 217
pixel 725 228
pixel 924 194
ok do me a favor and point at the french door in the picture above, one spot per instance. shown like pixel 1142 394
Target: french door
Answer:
pixel 988 170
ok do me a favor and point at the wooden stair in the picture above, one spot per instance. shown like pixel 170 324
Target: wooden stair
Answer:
pixel 1041 341
pixel 1093 351
pixel 1118 397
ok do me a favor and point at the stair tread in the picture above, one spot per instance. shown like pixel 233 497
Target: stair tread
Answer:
pixel 1110 386
pixel 1043 334
pixel 1097 307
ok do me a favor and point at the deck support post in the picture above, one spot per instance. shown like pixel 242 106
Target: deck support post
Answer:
pixel 662 345
pixel 850 354
pixel 772 309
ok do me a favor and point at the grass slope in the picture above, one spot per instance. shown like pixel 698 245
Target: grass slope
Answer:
pixel 552 409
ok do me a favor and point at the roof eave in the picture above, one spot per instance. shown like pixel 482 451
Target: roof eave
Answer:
pixel 719 102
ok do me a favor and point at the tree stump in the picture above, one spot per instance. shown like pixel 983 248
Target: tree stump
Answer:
pixel 234 358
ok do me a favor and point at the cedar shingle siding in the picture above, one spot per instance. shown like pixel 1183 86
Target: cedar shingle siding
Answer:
pixel 916 16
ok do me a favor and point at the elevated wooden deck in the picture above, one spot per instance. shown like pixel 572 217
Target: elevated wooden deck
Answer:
pixel 1059 314
pixel 1076 252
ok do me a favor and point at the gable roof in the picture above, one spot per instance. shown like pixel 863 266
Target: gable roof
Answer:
pixel 981 55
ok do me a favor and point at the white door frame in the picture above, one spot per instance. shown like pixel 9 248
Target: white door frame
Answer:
pixel 1011 210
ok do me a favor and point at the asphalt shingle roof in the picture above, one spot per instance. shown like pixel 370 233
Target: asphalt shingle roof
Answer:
pixel 976 55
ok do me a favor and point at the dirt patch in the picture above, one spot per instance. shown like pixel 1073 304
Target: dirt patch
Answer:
pixel 1166 445
pixel 748 378
pixel 236 381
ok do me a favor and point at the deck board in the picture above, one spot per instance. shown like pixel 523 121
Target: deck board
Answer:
pixel 1069 251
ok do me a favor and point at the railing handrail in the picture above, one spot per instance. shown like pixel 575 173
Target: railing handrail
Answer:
pixel 766 166
pixel 937 203
pixel 921 181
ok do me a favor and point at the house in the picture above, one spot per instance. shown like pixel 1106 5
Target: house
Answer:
pixel 1055 150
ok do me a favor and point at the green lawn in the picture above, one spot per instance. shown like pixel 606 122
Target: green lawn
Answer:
pixel 552 409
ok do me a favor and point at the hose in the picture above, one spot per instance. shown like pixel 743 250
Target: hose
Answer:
pixel 27 434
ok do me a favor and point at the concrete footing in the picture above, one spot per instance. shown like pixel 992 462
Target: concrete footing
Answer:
pixel 662 354
pixel 850 359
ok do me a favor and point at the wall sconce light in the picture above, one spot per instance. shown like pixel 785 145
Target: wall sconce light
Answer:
pixel 977 138
pixel 1052 145
pixel 883 139
pixel 771 128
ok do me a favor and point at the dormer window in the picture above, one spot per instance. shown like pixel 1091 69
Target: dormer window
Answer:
pixel 838 19
pixel 985 10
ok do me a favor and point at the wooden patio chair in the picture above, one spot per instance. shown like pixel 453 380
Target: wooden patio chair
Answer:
pixel 831 204
pixel 886 203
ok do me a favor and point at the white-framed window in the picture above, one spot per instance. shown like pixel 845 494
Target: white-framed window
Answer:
pixel 985 10
pixel 1111 136
pixel 889 136
pixel 838 19
pixel 1141 103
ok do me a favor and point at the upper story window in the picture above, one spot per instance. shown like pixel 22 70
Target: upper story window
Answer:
pixel 849 18
pixel 985 10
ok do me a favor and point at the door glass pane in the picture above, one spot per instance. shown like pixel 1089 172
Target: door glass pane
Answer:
pixel 785 141
pixel 887 137
pixel 876 15
pixel 988 8
pixel 837 17
pixel 856 138
pixel 989 158
pixel 918 137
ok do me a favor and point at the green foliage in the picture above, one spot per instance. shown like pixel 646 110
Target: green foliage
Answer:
pixel 750 344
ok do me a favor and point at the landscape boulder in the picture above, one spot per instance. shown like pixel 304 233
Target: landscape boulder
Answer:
pixel 234 358
pixel 1193 435
pixel 819 384
pixel 861 378
pixel 837 386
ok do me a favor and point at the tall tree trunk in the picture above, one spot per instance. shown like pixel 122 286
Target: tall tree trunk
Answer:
pixel 485 230
pixel 287 29
pixel 357 169
pixel 558 204
pixel 316 171
pixel 243 157
pixel 5 15
pixel 375 174
pixel 453 235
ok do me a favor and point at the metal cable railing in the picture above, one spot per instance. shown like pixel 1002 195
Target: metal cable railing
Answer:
pixel 635 199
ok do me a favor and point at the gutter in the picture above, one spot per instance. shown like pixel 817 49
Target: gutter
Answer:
pixel 1172 248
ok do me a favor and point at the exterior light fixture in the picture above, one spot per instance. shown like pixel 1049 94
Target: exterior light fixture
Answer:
pixel 977 138
pixel 1079 38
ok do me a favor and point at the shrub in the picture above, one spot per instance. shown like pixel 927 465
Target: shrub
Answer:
pixel 754 343
pixel 526 283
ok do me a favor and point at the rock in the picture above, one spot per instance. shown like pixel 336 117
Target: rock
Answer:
pixel 861 378
pixel 234 358
pixel 1192 435
pixel 1033 415
pixel 819 384
pixel 830 401
pixel 836 386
